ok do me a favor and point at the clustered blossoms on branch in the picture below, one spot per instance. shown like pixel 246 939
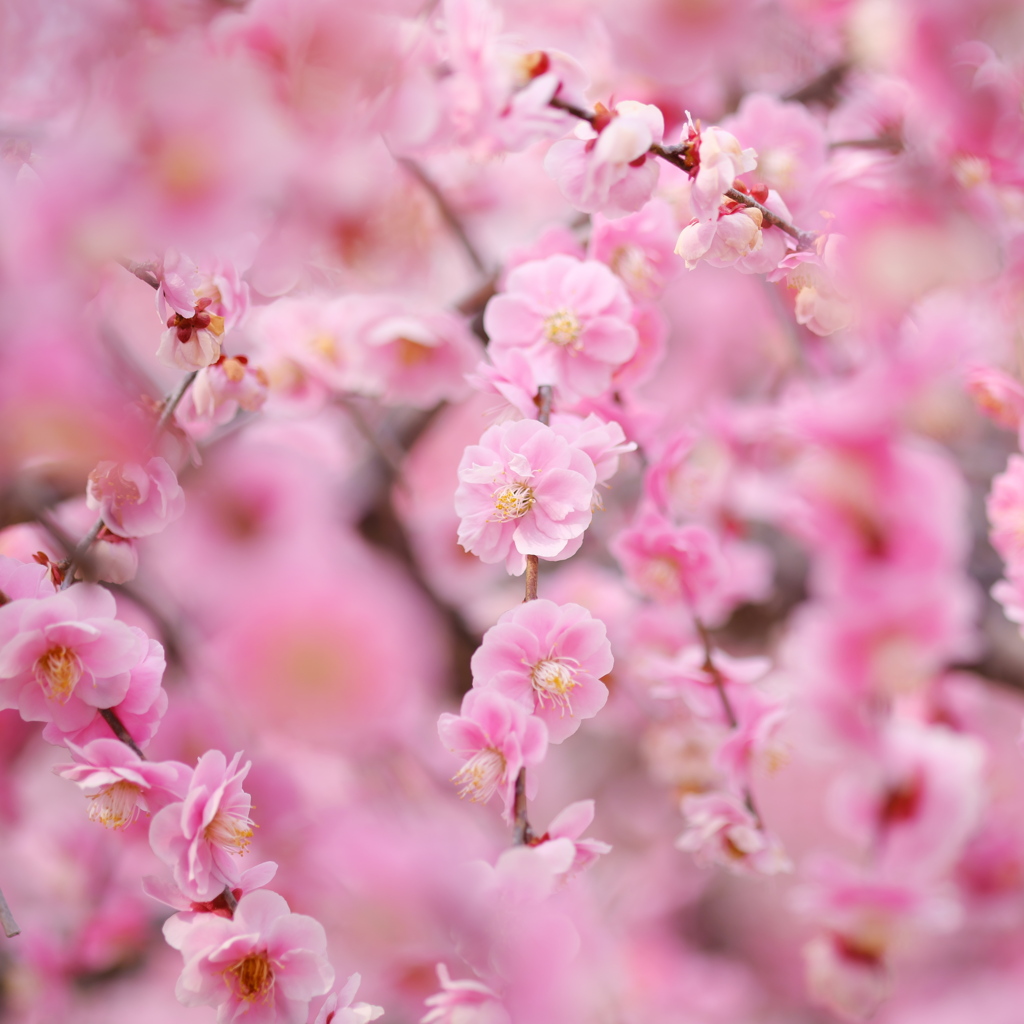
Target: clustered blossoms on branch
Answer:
pixel 615 392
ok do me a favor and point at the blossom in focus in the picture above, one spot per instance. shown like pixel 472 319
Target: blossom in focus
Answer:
pixel 607 168
pixel 571 318
pixel 63 656
pixel 721 830
pixel 262 965
pixel 120 783
pixel 523 490
pixel 497 737
pixel 718 160
pixel 550 658
pixel 200 836
pixel 134 500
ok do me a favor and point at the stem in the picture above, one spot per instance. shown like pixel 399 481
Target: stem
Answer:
pixel 523 833
pixel 142 271
pixel 229 899
pixel 110 717
pixel 81 550
pixel 730 713
pixel 451 218
pixel 171 403
pixel 674 156
pixel 10 926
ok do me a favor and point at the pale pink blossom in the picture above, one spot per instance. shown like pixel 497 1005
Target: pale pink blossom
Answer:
pixel 119 783
pixel 523 490
pixel 191 342
pixel 721 830
pixel 607 168
pixel 998 395
pixel 571 318
pixel 549 658
pixel 338 1007
pixel 1006 513
pixel 570 824
pixel 638 248
pixel 23 579
pixel 134 500
pixel 823 303
pixel 64 656
pixel 262 965
pixel 466 1001
pixel 718 160
pixel 200 836
pixel 603 441
pixel 163 889
pixel 497 738
pixel 219 391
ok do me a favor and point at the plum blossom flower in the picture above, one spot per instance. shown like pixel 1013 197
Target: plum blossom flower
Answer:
pixel 23 579
pixel 997 394
pixel 823 305
pixel 219 391
pixel 263 965
pixel 199 835
pixel 338 1007
pixel 65 655
pixel 1006 513
pixel 717 160
pixel 571 824
pixel 523 490
pixel 463 1002
pixel 721 830
pixel 550 658
pixel 134 500
pixel 120 783
pixel 497 738
pixel 571 319
pixel 607 168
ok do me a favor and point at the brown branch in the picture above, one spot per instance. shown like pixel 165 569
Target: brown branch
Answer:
pixel 10 926
pixel 677 156
pixel 110 717
pixel 823 88
pixel 143 271
pixel 715 672
pixel 79 553
pixel 171 402
pixel 450 217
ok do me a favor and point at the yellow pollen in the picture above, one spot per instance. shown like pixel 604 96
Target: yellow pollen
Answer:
pixel 563 329
pixel 252 978
pixel 216 325
pixel 229 831
pixel 513 501
pixel 553 681
pixel 116 807
pixel 233 370
pixel 58 672
pixel 412 353
pixel 481 775
pixel 324 345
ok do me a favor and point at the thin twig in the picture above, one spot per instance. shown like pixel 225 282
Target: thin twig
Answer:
pixel 143 271
pixel 676 156
pixel 229 899
pixel 79 553
pixel 451 218
pixel 730 713
pixel 822 88
pixel 171 402
pixel 10 926
pixel 110 717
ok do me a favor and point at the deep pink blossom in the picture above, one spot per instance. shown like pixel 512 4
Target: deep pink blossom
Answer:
pixel 497 737
pixel 134 500
pixel 199 836
pixel 571 318
pixel 550 658
pixel 523 490
pixel 262 965
pixel 63 656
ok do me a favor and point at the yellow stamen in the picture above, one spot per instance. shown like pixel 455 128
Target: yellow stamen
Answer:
pixel 513 501
pixel 117 806
pixel 58 672
pixel 562 328
pixel 252 978
pixel 553 681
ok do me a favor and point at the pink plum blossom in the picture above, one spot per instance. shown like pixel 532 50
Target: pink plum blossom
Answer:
pixel 199 836
pixel 23 579
pixel 603 441
pixel 523 490
pixel 497 737
pixel 721 830
pixel 338 1007
pixel 571 823
pixel 718 160
pixel 638 248
pixel 262 965
pixel 134 500
pixel 998 395
pixel 219 391
pixel 607 167
pixel 120 783
pixel 571 318
pixel 63 656
pixel 823 303
pixel 463 1002
pixel 550 658
pixel 1006 513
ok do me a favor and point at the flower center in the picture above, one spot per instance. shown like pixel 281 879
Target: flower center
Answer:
pixel 57 672
pixel 117 806
pixel 563 329
pixel 553 681
pixel 111 483
pixel 230 831
pixel 412 353
pixel 513 501
pixel 481 775
pixel 252 978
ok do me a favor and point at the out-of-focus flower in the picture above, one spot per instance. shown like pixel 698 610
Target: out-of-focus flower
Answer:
pixel 134 500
